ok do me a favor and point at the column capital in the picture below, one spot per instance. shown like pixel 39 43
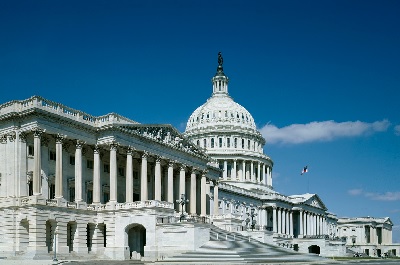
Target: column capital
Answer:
pixel 204 172
pixel 60 138
pixel 158 158
pixel 37 132
pixel 145 155
pixel 96 149
pixel 22 137
pixel 171 163
pixel 130 150
pixel 182 167
pixel 3 139
pixel 113 145
pixel 79 144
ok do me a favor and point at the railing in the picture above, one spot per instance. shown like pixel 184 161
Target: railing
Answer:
pixel 51 202
pixel 51 106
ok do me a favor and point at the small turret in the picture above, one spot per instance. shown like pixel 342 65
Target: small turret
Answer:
pixel 220 80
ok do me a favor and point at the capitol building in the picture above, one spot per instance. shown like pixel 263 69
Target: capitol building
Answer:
pixel 107 187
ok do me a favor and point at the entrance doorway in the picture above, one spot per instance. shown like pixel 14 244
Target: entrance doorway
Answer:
pixel 136 240
pixel 314 249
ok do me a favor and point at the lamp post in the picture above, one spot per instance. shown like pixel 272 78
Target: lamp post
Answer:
pixel 182 202
pixel 55 244
pixel 252 215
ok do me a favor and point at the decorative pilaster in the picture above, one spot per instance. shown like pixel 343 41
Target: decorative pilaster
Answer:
pixel 274 217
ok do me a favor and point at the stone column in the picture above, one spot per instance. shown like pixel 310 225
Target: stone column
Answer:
pixel 216 206
pixel 243 171
pixel 225 173
pixel 59 167
pixel 96 174
pixel 258 178
pixel 157 180
pixel 170 195
pixel 284 231
pixel 37 158
pixel 182 176
pixel 78 171
pixel 274 217
pixel 203 195
pixel 291 223
pixel 234 172
pixel 113 173
pixel 192 201
pixel 301 222
pixel 252 176
pixel 279 221
pixel 129 176
pixel 143 178
pixel 264 180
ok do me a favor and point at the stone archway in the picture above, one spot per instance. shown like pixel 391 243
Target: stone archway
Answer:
pixel 314 249
pixel 136 240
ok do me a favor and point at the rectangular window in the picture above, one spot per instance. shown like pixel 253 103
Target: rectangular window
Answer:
pixel 121 171
pixel 242 143
pixel 235 143
pixel 106 168
pixel 30 150
pixel 72 160
pixel 52 191
pixel 52 155
pixel 220 142
pixel 248 144
pixel 212 142
pixel 228 142
pixel 89 164
pixel 205 143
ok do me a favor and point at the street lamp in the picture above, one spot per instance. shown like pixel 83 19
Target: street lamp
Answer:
pixel 252 215
pixel 182 202
pixel 55 244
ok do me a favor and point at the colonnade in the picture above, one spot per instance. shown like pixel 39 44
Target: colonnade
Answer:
pixel 247 170
pixel 113 174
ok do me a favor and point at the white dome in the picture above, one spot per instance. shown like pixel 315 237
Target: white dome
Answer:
pixel 220 109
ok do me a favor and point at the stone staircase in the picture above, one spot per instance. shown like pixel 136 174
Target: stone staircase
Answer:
pixel 230 247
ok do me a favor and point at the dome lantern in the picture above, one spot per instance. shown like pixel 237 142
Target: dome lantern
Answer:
pixel 220 80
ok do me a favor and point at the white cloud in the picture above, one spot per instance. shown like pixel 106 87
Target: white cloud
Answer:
pixel 355 192
pixel 320 131
pixel 387 196
pixel 397 129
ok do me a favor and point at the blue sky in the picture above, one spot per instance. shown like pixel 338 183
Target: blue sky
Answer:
pixel 321 79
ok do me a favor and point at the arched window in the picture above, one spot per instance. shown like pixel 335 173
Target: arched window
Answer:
pixel 242 143
pixel 248 144
pixel 205 143
pixel 212 142
pixel 198 142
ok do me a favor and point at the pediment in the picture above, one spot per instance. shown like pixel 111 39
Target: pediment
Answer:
pixel 316 202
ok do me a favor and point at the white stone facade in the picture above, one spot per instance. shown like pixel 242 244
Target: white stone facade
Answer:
pixel 108 187
pixel 101 186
